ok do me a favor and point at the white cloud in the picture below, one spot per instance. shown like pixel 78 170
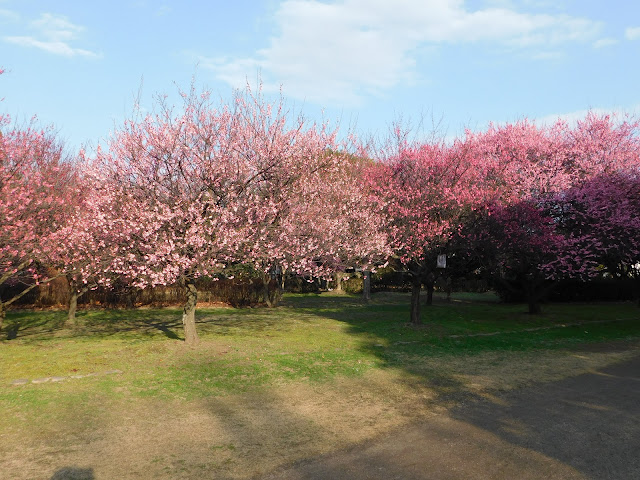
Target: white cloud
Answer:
pixel 57 48
pixel 54 35
pixel 56 27
pixel 632 33
pixel 9 15
pixel 337 52
pixel 604 42
pixel 573 117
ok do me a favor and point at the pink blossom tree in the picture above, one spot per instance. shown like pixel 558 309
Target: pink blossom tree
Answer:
pixel 34 195
pixel 353 224
pixel 89 242
pixel 195 190
pixel 285 164
pixel 172 183
pixel 318 220
pixel 425 190
pixel 524 160
pixel 601 145
pixel 36 184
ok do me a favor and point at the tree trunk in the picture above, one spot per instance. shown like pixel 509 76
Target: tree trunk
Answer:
pixel 415 301
pixel 73 306
pixel 429 283
pixel 532 297
pixel 338 279
pixel 274 296
pixel 2 314
pixel 366 285
pixel 271 298
pixel 74 294
pixel 265 291
pixel 277 295
pixel 429 301
pixel 449 288
pixel 189 315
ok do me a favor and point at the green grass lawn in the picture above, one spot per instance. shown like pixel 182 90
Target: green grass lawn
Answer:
pixel 314 344
pixel 310 338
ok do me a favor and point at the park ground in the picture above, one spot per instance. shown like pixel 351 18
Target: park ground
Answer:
pixel 324 387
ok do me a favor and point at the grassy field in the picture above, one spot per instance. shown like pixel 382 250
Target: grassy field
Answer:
pixel 270 386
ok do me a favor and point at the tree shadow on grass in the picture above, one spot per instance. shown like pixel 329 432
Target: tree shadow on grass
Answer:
pixel 544 431
pixel 167 330
pixel 38 325
pixel 580 427
pixel 590 422
pixel 73 473
pixel 21 323
pixel 142 323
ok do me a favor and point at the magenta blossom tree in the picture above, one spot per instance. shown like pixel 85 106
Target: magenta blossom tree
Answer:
pixel 528 161
pixel 423 191
pixel 518 246
pixel 530 168
pixel 601 220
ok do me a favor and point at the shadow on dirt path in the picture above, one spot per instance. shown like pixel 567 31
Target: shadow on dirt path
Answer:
pixel 583 427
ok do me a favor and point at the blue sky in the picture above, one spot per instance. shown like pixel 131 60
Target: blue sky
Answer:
pixel 80 65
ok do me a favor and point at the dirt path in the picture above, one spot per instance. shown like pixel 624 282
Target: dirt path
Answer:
pixel 583 427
